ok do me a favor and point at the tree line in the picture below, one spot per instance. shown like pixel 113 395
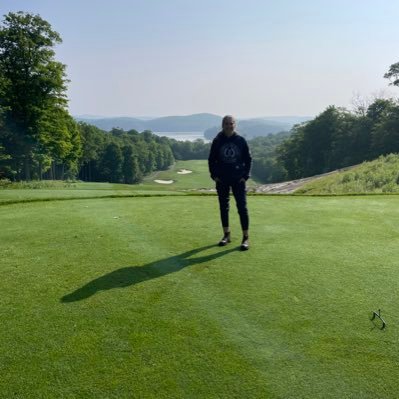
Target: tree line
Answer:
pixel 337 138
pixel 121 156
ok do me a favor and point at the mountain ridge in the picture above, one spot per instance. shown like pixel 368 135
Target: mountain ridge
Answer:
pixel 201 122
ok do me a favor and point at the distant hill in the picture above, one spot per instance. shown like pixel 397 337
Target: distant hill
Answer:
pixel 187 123
pixel 251 128
pixel 210 124
pixel 125 123
pixel 292 120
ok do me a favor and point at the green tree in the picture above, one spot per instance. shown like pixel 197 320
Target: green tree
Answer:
pixel 379 108
pixel 393 74
pixel 385 132
pixel 111 163
pixel 92 142
pixel 130 168
pixel 319 145
pixel 291 152
pixel 265 165
pixel 168 158
pixel 3 168
pixel 33 97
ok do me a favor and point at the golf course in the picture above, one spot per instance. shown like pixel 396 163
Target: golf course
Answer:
pixel 119 291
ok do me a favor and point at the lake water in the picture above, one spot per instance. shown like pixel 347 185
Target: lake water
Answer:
pixel 183 136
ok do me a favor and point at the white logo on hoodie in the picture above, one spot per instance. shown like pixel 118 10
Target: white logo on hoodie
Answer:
pixel 229 153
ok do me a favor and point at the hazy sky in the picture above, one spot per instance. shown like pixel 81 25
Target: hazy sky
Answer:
pixel 247 58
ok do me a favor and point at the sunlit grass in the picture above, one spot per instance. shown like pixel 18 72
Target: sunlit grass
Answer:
pixel 378 176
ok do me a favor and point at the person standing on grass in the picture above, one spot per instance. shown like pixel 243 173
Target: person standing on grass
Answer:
pixel 229 166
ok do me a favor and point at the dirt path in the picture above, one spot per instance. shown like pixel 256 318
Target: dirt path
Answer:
pixel 288 187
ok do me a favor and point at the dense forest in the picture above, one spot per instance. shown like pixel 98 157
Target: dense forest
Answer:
pixel 120 156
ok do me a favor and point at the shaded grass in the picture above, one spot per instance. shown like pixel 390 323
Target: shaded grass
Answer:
pixel 45 196
pixel 78 190
pixel 35 184
pixel 129 298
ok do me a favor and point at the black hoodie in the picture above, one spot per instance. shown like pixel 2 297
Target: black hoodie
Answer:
pixel 229 158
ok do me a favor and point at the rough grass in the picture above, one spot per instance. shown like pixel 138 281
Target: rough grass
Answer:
pixel 378 176
pixel 129 298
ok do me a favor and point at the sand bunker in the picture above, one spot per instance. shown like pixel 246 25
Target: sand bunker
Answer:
pixel 164 181
pixel 184 171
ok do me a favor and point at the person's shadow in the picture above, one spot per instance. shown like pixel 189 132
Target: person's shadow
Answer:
pixel 131 275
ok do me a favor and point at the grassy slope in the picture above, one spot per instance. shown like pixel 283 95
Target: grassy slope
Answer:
pixel 114 298
pixel 378 176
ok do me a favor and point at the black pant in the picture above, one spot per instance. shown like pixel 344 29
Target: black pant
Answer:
pixel 239 192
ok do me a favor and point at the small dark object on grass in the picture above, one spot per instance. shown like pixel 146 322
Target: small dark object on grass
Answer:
pixel 378 315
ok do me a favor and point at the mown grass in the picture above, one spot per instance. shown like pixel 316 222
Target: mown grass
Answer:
pixel 129 298
pixel 378 176
pixel 21 196
pixel 199 178
pixel 196 181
